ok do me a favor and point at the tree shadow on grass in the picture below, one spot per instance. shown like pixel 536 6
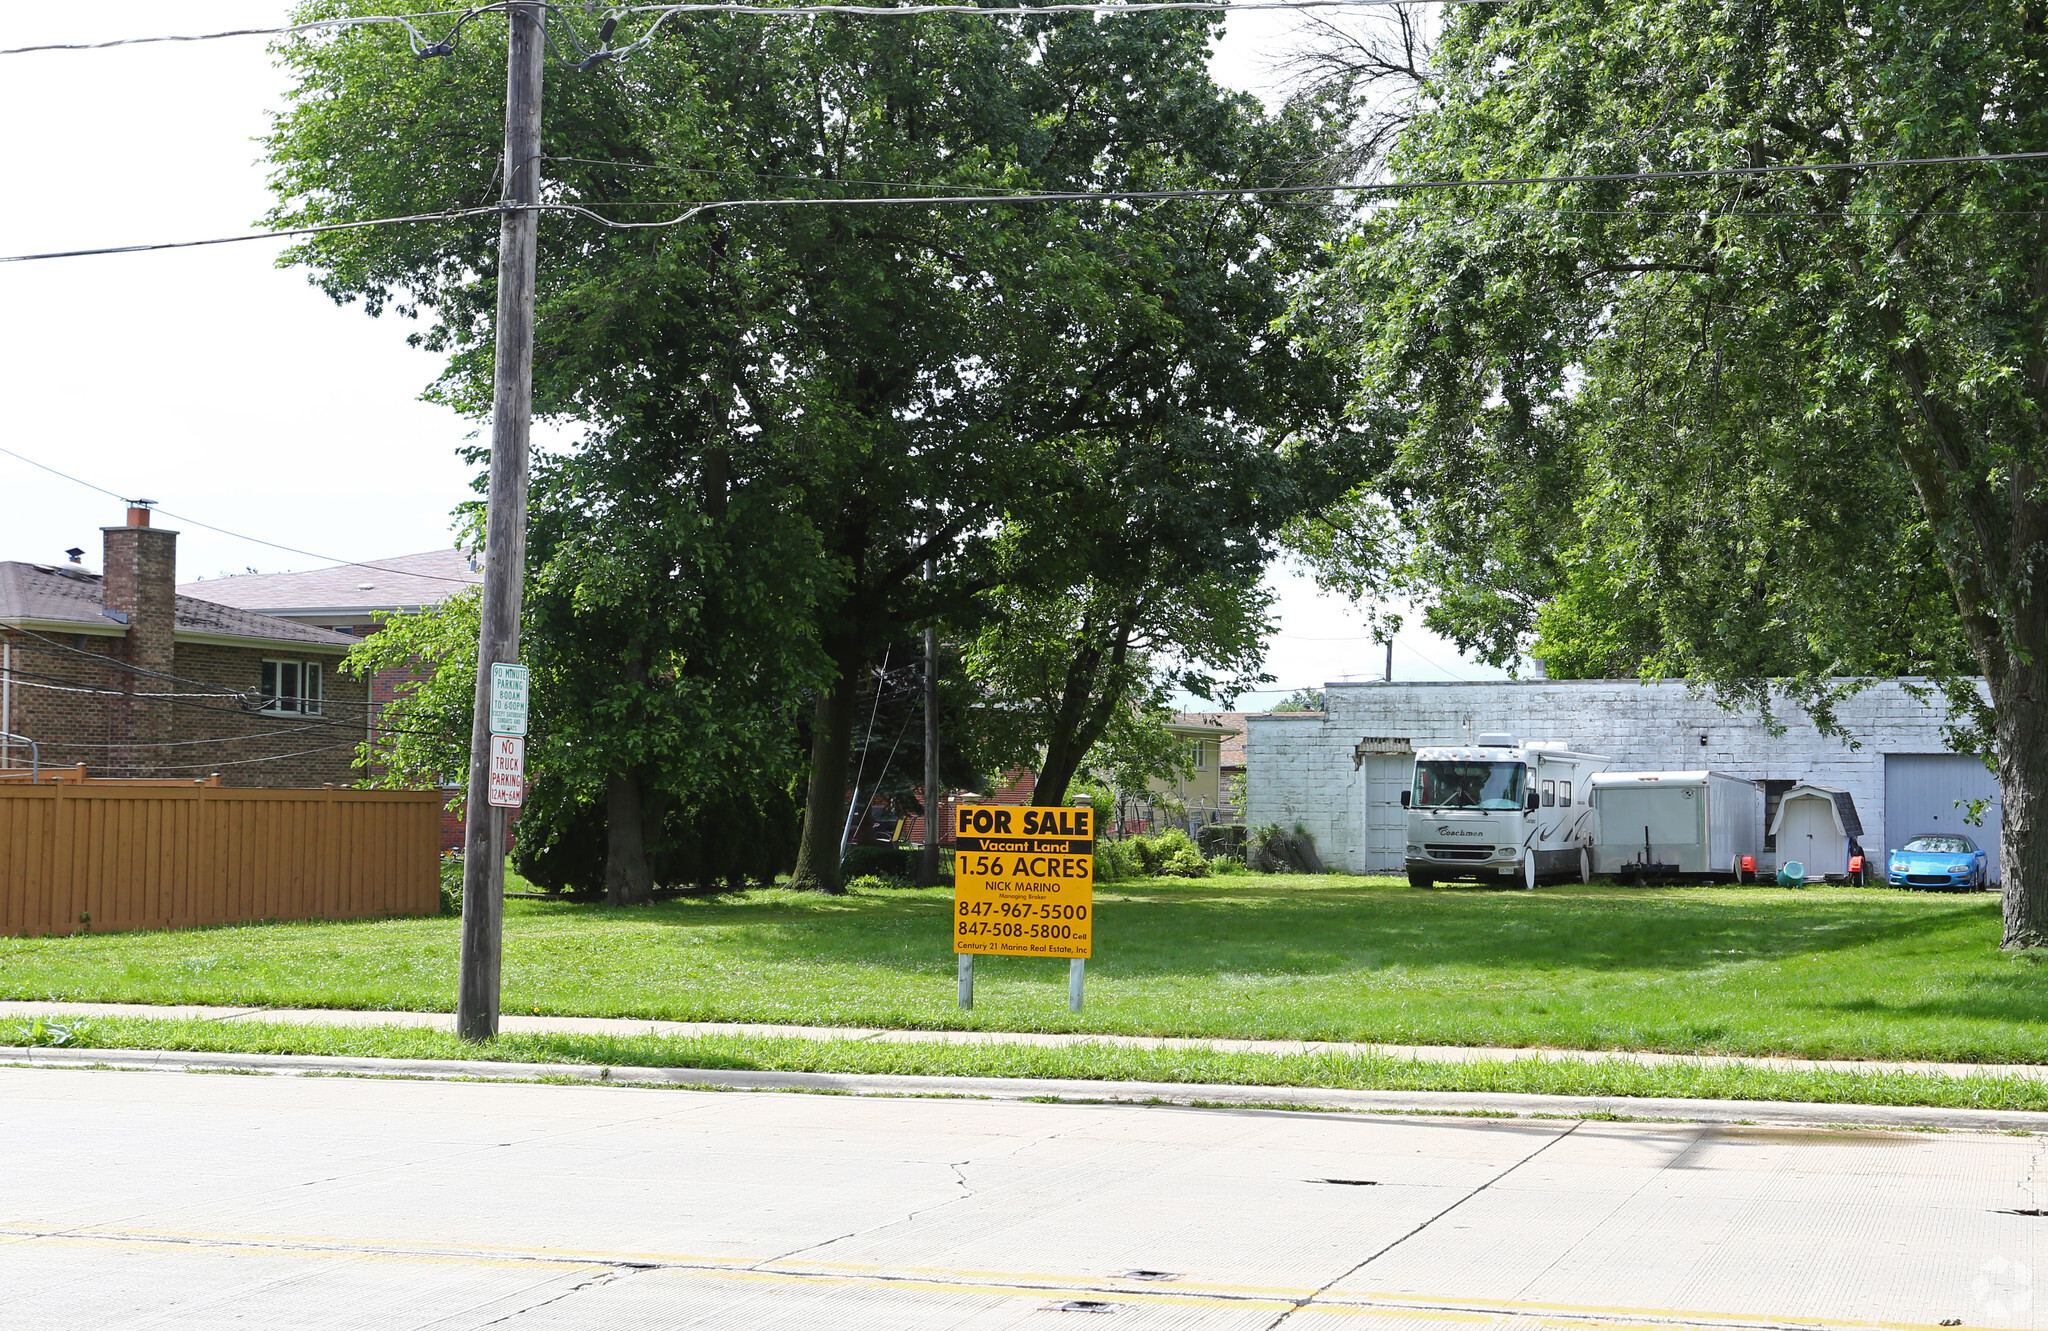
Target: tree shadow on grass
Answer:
pixel 2015 997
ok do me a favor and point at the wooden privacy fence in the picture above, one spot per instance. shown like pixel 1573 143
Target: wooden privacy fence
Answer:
pixel 114 857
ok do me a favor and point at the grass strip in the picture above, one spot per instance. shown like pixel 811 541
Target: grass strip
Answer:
pixel 1088 1062
pixel 1856 973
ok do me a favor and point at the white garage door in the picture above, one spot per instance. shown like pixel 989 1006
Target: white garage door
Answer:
pixel 1920 795
pixel 1386 822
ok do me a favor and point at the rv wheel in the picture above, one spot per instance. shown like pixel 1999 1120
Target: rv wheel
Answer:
pixel 1529 872
pixel 1418 879
pixel 1585 866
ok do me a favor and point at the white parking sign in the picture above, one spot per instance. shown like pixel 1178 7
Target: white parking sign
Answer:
pixel 508 699
pixel 508 771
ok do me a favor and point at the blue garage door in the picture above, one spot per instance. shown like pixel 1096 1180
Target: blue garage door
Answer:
pixel 1920 794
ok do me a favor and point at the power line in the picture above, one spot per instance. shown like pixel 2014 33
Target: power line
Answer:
pixel 449 215
pixel 382 729
pixel 168 743
pixel 419 45
pixel 730 172
pixel 255 540
pixel 1049 196
pixel 217 692
pixel 422 47
pixel 237 762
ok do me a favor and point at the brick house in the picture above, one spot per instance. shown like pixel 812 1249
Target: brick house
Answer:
pixel 355 599
pixel 118 672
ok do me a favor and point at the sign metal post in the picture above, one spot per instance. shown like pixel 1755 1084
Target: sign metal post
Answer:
pixel 1023 886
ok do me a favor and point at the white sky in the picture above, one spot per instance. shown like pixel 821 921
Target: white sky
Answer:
pixel 233 392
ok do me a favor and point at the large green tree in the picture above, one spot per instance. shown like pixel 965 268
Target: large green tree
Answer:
pixel 1768 430
pixel 908 377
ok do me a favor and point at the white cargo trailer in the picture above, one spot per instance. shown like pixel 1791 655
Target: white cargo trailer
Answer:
pixel 1676 824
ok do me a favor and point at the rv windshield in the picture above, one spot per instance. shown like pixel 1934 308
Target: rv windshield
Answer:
pixel 1468 785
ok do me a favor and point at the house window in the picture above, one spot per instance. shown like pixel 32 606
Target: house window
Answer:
pixel 1201 754
pixel 291 688
pixel 1550 794
pixel 1564 794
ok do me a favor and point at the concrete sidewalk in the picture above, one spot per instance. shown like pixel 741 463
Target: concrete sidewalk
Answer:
pixel 513 1023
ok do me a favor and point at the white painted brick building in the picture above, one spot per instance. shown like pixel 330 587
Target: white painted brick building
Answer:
pixel 1308 768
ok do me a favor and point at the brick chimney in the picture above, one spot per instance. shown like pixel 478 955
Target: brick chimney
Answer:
pixel 139 583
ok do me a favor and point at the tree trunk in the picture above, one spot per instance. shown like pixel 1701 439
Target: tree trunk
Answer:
pixel 817 859
pixel 1078 723
pixel 1068 747
pixel 626 881
pixel 2019 694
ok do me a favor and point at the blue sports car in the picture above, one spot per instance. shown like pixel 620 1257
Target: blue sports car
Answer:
pixel 1938 860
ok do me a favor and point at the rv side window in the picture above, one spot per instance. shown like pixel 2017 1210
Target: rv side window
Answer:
pixel 1549 794
pixel 1564 794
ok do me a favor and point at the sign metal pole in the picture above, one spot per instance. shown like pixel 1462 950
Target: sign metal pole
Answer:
pixel 966 981
pixel 1076 969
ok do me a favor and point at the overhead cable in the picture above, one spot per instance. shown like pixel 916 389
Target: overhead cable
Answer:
pixel 421 46
pixel 1048 196
pixel 255 540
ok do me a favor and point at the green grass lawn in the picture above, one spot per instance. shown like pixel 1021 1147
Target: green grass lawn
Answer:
pixel 1822 972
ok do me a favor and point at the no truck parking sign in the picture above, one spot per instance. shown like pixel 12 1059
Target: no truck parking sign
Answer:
pixel 1023 881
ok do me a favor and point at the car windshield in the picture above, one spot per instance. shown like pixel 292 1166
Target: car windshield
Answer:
pixel 1940 845
pixel 1468 785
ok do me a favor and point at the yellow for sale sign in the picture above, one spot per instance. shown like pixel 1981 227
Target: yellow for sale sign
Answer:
pixel 1023 880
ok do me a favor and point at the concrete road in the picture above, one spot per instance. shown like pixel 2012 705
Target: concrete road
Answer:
pixel 164 1200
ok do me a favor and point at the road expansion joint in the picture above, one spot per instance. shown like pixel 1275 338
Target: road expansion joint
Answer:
pixel 1333 1281
pixel 601 1278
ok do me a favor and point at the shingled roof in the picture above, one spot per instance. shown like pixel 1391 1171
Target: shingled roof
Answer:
pixel 402 582
pixel 54 597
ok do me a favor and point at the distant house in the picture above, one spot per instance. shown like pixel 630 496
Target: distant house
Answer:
pixel 118 673
pixel 348 597
pixel 1201 792
pixel 1190 801
pixel 352 598
pixel 355 599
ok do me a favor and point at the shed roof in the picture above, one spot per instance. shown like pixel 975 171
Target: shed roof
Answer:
pixel 1840 802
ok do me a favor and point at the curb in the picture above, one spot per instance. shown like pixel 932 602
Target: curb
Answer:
pixel 515 1022
pixel 1480 1104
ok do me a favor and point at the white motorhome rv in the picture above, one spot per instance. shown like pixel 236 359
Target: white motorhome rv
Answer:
pixel 1673 824
pixel 1497 810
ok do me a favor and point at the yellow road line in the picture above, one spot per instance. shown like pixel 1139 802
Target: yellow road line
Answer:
pixel 1376 1304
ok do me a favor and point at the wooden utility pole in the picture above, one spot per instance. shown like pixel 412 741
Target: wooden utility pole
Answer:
pixel 483 859
pixel 928 864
